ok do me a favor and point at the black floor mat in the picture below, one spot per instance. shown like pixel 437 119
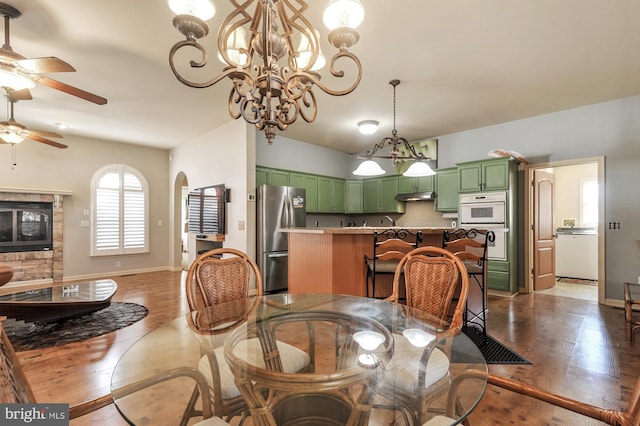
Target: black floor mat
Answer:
pixel 28 335
pixel 494 352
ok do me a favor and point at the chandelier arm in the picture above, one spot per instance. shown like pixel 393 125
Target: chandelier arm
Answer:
pixel 314 78
pixel 236 19
pixel 192 43
pixel 305 28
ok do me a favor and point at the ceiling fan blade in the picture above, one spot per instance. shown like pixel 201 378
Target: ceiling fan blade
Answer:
pixel 44 65
pixel 47 141
pixel 58 85
pixel 19 95
pixel 42 134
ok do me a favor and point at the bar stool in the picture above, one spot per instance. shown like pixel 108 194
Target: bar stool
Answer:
pixel 629 301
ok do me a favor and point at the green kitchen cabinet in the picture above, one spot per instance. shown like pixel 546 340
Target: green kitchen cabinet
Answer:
pixel 310 184
pixel 485 175
pixel 262 176
pixel 331 193
pixel 407 184
pixel 379 195
pixel 267 176
pixel 354 195
pixel 446 188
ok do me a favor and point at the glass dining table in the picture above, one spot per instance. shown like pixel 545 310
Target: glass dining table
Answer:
pixel 303 359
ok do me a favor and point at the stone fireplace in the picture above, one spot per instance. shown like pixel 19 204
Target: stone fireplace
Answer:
pixel 37 265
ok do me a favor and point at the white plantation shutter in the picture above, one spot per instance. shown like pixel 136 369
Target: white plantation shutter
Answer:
pixel 120 203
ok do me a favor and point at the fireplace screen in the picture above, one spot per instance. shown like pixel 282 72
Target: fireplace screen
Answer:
pixel 25 226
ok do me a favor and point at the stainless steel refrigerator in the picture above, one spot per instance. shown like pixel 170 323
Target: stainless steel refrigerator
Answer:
pixel 278 207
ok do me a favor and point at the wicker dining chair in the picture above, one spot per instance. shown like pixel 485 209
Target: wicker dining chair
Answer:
pixel 218 277
pixel 431 276
pixel 628 417
pixel 15 388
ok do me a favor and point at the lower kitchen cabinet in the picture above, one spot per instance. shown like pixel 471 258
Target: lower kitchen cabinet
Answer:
pixel 499 277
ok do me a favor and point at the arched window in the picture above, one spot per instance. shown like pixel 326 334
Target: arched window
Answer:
pixel 120 211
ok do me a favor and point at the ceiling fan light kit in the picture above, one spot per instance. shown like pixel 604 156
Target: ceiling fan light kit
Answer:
pixel 272 55
pixel 417 169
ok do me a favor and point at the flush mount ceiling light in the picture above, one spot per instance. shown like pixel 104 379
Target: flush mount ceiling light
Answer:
pixel 418 168
pixel 368 127
pixel 272 54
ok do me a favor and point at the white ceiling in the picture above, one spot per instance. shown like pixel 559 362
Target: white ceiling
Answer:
pixel 463 64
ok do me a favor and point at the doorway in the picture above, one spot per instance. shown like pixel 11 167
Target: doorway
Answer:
pixel 568 259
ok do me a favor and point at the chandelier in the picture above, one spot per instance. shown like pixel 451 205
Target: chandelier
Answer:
pixel 271 54
pixel 401 149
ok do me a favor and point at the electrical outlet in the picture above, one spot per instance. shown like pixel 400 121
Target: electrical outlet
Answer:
pixel 453 223
pixel 118 264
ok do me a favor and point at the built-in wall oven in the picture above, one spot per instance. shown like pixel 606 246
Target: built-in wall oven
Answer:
pixel 487 210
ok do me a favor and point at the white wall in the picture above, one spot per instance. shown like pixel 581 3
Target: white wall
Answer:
pixel 225 155
pixel 567 195
pixel 42 167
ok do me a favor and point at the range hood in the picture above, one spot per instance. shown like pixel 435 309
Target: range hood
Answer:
pixel 416 196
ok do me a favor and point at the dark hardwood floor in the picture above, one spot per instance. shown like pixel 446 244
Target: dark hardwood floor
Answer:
pixel 578 348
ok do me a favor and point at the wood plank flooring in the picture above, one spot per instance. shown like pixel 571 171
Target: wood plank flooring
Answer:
pixel 578 348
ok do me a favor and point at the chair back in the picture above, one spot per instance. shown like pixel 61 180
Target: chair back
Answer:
pixel 14 387
pixel 431 275
pixel 219 276
pixel 389 247
pixel 473 243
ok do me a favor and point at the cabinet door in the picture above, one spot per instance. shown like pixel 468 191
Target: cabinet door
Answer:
pixel 310 184
pixel 330 195
pixel 407 184
pixel 262 176
pixel 278 177
pixel 425 183
pixel 469 177
pixel 388 192
pixel 371 192
pixel 447 197
pixel 354 196
pixel 495 175
pixel 338 198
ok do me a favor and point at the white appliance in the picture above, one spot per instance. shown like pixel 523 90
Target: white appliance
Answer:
pixel 487 210
pixel 577 253
pixel 277 207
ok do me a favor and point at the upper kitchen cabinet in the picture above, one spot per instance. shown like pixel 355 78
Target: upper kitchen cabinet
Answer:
pixel 331 195
pixel 354 196
pixel 485 175
pixel 379 195
pixel 415 184
pixel 311 185
pixel 446 183
pixel 267 176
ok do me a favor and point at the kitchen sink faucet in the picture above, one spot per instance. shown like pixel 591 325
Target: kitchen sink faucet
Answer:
pixel 393 222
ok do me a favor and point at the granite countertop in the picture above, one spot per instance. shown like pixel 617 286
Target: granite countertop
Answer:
pixel 365 229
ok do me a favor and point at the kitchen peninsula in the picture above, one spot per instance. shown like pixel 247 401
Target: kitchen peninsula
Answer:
pixel 331 260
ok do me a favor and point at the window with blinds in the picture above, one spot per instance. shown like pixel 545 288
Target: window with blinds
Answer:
pixel 207 210
pixel 120 212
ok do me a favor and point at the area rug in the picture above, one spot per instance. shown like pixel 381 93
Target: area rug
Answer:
pixel 577 281
pixel 29 335
pixel 493 351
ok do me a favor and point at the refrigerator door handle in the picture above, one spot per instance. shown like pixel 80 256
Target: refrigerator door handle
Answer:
pixel 272 255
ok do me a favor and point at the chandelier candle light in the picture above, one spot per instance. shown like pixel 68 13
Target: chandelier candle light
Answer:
pixel 265 93
pixel 370 168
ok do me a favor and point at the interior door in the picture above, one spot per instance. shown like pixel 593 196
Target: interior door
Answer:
pixel 544 274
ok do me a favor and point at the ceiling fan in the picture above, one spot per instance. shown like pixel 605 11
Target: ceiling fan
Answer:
pixel 12 132
pixel 22 73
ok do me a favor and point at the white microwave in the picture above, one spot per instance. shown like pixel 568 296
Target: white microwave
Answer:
pixel 488 208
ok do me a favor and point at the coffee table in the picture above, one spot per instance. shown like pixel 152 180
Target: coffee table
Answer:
pixel 56 302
